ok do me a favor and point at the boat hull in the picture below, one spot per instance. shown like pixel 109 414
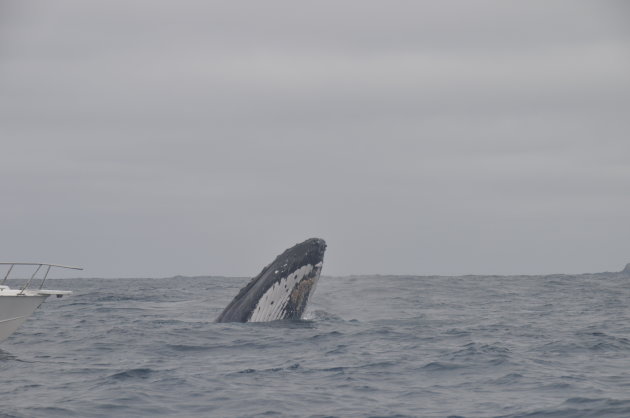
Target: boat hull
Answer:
pixel 14 310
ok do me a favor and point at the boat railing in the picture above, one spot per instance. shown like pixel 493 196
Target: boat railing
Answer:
pixel 46 266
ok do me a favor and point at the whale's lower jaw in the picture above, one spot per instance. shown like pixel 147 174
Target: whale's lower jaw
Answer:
pixel 282 289
pixel 287 298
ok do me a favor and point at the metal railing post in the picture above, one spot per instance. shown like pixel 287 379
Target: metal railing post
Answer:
pixel 6 276
pixel 45 275
pixel 30 280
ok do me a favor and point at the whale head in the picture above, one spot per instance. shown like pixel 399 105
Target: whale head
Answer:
pixel 282 289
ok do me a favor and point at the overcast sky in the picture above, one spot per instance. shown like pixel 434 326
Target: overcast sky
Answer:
pixel 154 138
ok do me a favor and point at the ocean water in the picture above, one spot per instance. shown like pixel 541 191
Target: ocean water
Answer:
pixel 472 346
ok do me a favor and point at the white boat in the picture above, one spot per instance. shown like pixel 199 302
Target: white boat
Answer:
pixel 16 305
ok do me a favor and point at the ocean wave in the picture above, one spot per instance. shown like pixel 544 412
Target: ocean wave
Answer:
pixel 472 346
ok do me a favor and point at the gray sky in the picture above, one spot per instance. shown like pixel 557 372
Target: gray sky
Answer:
pixel 153 138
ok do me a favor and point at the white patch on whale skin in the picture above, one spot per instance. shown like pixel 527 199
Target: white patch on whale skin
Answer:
pixel 271 305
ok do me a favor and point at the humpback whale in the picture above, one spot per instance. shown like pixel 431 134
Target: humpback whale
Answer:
pixel 282 289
